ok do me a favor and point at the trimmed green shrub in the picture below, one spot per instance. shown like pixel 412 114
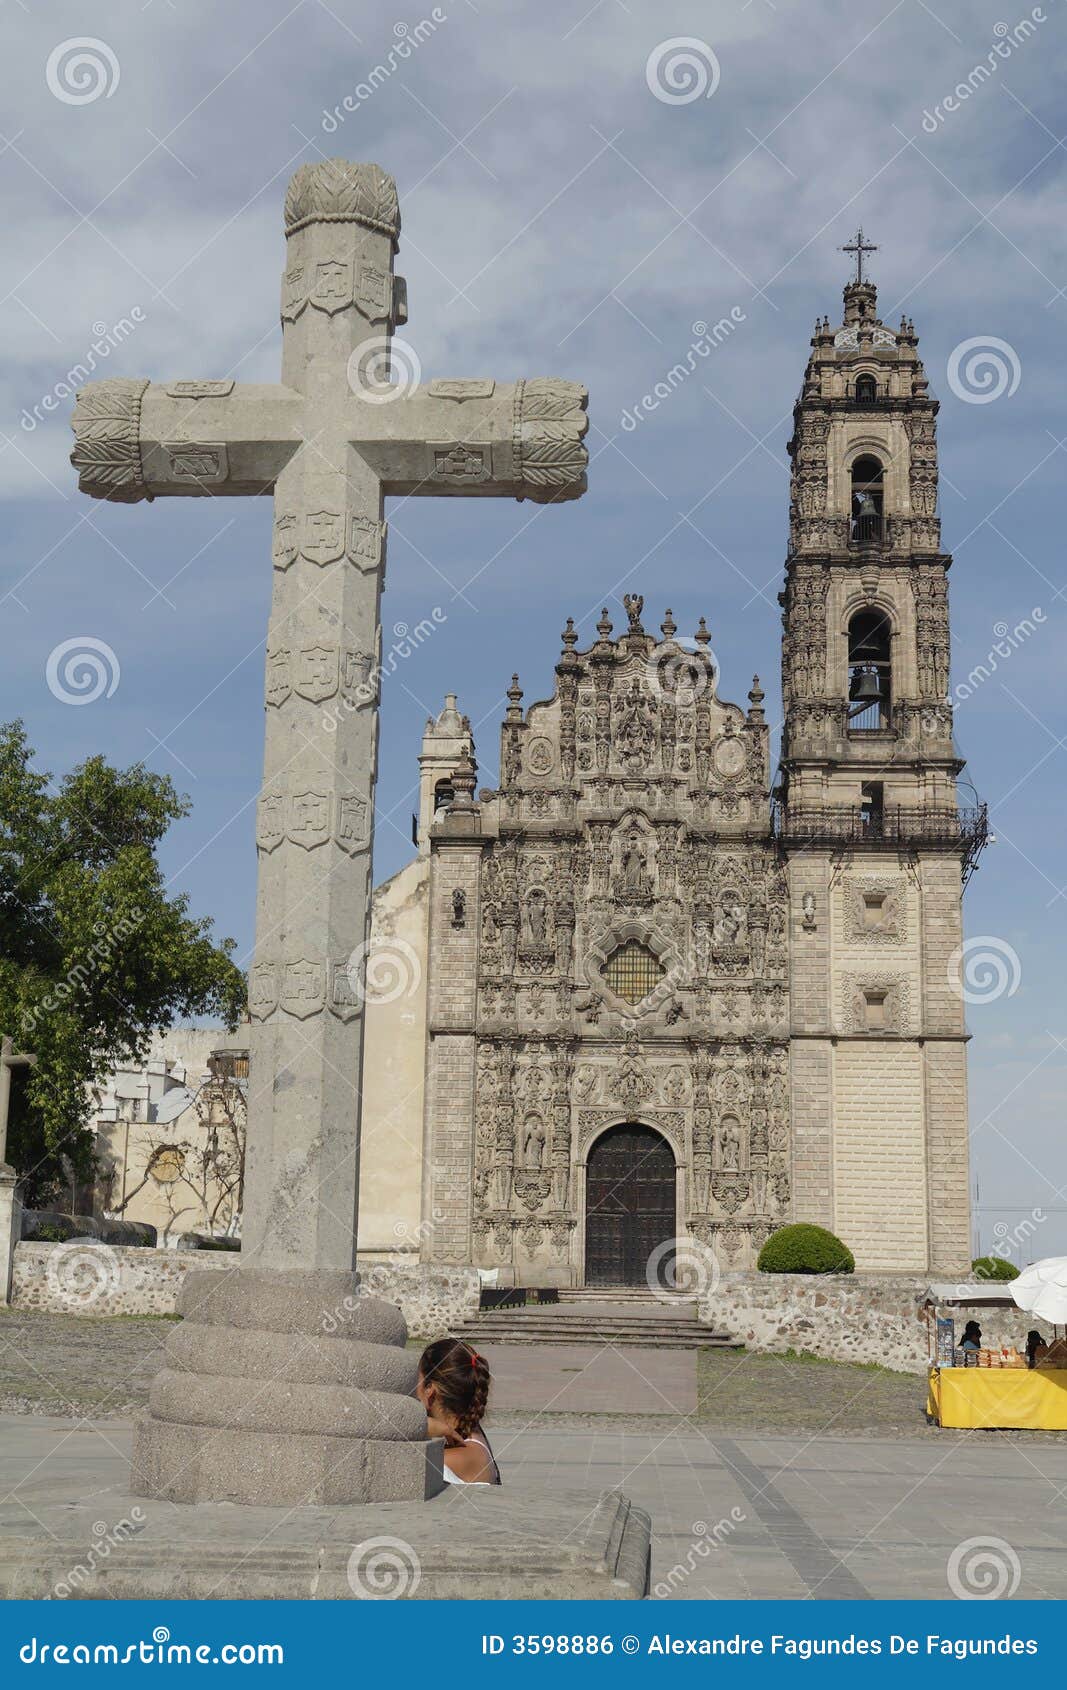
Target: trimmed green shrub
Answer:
pixel 805 1249
pixel 993 1267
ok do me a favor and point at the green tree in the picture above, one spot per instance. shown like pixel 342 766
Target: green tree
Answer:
pixel 94 955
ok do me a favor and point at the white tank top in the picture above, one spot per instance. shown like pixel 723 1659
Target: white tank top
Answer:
pixel 454 1478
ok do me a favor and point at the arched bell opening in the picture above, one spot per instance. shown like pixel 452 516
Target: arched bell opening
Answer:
pixel 868 508
pixel 870 671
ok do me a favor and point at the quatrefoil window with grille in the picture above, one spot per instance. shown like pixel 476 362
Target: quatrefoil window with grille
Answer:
pixel 633 971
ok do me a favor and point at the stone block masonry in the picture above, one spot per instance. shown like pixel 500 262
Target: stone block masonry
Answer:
pixel 844 1317
pixel 95 1279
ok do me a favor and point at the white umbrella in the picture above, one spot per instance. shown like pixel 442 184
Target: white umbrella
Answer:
pixel 1041 1289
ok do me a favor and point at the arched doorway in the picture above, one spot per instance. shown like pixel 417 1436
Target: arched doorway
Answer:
pixel 629 1204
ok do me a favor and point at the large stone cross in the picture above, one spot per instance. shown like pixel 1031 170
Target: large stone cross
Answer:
pixel 330 442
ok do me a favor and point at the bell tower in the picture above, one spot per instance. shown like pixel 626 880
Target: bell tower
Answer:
pixel 867 809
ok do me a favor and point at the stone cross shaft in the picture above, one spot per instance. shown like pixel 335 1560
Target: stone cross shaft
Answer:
pixel 330 442
pixel 8 1060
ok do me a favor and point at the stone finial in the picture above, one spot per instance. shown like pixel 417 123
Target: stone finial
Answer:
pixel 604 626
pixel 570 640
pixel 338 191
pixel 514 713
pixel 449 723
pixel 755 699
pixel 107 451
pixel 702 636
pixel 668 627
pixel 464 781
pixel 549 426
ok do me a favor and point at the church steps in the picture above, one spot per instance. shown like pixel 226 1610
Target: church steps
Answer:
pixel 650 1327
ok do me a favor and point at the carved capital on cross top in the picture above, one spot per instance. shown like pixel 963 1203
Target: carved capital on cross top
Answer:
pixel 339 191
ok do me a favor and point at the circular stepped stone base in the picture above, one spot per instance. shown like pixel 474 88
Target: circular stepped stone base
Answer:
pixel 285 1389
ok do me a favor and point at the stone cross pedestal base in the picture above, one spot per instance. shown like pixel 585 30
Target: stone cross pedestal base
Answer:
pixel 472 1541
pixel 285 1388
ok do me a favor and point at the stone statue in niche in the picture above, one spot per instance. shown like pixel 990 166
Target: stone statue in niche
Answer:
pixel 537 918
pixel 533 1142
pixel 634 859
pixel 729 1141
pixel 459 907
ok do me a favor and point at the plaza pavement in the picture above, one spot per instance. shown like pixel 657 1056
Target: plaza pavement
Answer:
pixel 810 1518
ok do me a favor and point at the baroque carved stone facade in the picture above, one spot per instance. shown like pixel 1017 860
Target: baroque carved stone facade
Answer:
pixel 624 917
pixel 634 935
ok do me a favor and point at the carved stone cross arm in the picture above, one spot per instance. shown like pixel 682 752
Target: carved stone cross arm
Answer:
pixel 482 438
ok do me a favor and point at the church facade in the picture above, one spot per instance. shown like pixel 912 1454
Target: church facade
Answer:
pixel 654 996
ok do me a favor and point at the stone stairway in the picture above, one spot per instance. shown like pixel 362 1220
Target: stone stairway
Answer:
pixel 623 1317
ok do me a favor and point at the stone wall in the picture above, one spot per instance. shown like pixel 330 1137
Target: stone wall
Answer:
pixel 844 1317
pixel 102 1279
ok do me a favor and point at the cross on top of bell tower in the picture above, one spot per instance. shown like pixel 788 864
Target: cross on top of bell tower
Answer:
pixel 859 247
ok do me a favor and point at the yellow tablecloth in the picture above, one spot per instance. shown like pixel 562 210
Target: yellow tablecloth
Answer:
pixel 1015 1397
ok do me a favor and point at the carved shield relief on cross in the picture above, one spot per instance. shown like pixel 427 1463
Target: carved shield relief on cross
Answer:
pixel 270 820
pixel 353 823
pixel 462 465
pixel 344 997
pixel 315 672
pixel 278 684
pixel 205 465
pixel 262 990
pixel 331 289
pixel 294 292
pixel 303 989
pixel 365 541
pixel 285 546
pixel 309 816
pixel 374 293
pixel 324 537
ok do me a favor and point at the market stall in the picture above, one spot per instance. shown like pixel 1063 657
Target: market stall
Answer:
pixel 973 1385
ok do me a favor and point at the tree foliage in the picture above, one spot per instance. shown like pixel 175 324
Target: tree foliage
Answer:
pixel 94 954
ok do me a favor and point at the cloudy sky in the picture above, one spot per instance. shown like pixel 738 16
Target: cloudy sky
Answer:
pixel 573 203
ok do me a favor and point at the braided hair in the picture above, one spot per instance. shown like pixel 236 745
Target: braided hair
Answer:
pixel 462 1380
